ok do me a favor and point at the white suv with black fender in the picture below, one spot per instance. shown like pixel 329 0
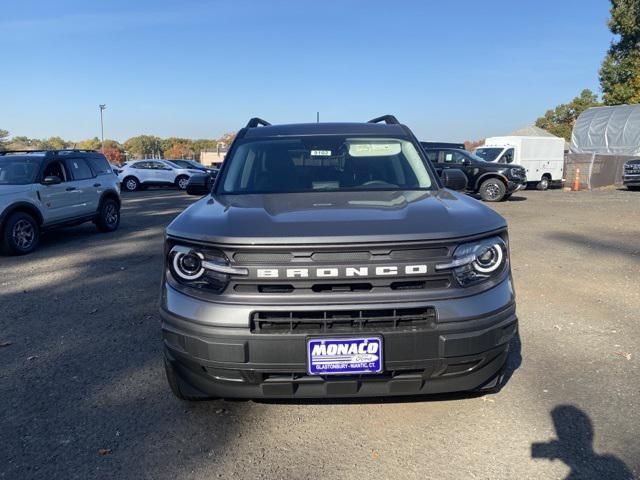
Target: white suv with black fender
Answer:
pixel 329 260
pixel 143 173
pixel 41 190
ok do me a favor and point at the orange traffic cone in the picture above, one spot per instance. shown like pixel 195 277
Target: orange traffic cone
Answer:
pixel 576 181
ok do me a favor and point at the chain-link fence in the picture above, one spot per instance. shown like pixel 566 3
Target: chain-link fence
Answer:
pixel 595 170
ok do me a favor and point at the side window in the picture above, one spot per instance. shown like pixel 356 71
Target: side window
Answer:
pixel 157 166
pixel 56 169
pixel 432 155
pixel 452 157
pixel 79 168
pixel 507 157
pixel 99 165
pixel 140 165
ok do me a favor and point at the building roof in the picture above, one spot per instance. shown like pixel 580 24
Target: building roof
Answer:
pixel 533 131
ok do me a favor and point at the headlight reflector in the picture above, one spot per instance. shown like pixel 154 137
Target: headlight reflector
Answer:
pixel 188 266
pixel 200 267
pixel 477 261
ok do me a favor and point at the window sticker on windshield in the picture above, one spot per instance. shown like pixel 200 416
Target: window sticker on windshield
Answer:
pixel 320 153
pixel 374 149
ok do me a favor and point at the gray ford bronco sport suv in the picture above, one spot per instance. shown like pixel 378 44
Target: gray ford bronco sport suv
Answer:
pixel 45 189
pixel 329 260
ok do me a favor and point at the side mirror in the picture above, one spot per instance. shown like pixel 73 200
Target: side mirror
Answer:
pixel 51 180
pixel 454 178
pixel 466 161
pixel 199 184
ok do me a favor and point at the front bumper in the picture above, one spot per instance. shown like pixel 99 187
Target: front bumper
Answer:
pixel 514 186
pixel 463 349
pixel 631 179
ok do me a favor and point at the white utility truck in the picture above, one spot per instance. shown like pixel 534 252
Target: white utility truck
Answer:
pixel 542 157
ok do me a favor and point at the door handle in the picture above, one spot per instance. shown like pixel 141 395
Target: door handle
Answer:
pixel 70 189
pixel 97 185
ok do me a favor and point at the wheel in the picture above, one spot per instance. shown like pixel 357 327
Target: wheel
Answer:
pixel 634 188
pixel 543 184
pixel 174 384
pixel 182 182
pixel 131 184
pixel 109 216
pixel 21 234
pixel 492 190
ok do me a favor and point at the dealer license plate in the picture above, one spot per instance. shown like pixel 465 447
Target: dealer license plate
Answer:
pixel 344 356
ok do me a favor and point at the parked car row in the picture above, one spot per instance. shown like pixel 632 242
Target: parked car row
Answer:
pixel 140 174
pixel 45 189
pixel 492 181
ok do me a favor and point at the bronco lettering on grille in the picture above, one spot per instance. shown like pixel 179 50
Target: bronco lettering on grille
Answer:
pixel 336 272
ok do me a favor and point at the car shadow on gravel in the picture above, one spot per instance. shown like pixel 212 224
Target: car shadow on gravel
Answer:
pixel 513 198
pixel 602 243
pixel 574 447
pixel 82 387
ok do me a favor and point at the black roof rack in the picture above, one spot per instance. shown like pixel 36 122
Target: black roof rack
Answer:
pixel 73 150
pixel 388 119
pixel 255 122
pixel 44 150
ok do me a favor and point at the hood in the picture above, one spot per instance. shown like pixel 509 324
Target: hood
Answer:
pixel 497 167
pixel 13 189
pixel 334 217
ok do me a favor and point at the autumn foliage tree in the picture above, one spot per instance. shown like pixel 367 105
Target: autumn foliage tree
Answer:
pixel 114 155
pixel 620 72
pixel 4 135
pixel 471 145
pixel 560 120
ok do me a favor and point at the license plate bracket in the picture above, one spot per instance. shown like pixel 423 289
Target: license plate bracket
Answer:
pixel 344 355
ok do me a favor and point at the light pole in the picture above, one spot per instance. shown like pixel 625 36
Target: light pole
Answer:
pixel 102 107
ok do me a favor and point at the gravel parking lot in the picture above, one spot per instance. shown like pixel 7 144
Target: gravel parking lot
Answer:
pixel 83 393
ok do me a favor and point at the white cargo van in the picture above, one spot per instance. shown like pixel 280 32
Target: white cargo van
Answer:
pixel 542 157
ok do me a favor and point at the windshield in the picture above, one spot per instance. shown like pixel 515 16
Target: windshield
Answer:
pixel 488 154
pixel 475 157
pixel 18 170
pixel 194 164
pixel 186 163
pixel 326 163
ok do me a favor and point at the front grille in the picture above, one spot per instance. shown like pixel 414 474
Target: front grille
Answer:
pixel 309 259
pixel 340 256
pixel 342 321
pixel 261 257
pixel 418 253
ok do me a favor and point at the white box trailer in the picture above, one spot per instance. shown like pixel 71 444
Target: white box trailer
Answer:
pixel 542 157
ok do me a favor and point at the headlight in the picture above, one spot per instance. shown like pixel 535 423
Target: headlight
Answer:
pixel 201 268
pixel 477 261
pixel 187 265
pixel 515 173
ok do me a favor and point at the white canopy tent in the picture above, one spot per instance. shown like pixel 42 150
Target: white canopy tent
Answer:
pixel 608 131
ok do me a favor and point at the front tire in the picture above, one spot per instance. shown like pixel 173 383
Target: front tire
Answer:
pixel 131 184
pixel 182 182
pixel 20 235
pixel 543 184
pixel 492 190
pixel 108 218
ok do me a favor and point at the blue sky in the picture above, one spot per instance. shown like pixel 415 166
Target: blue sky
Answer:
pixel 451 70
